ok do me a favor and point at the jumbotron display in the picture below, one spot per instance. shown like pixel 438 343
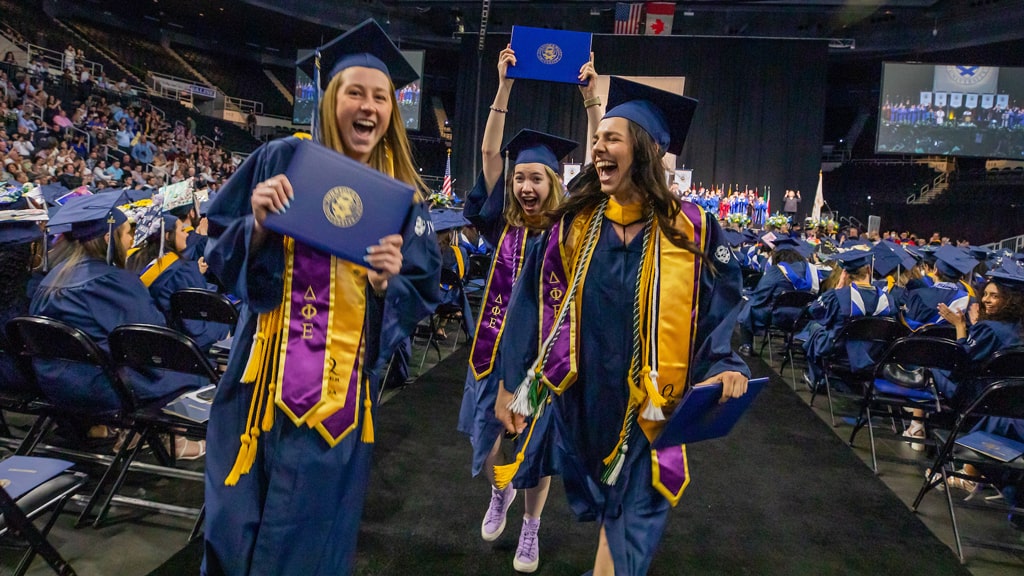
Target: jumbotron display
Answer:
pixel 951 110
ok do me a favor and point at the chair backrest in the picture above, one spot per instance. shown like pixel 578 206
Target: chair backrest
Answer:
pixel 1001 399
pixel 450 278
pixel 793 299
pixel 200 304
pixel 872 329
pixel 39 337
pixel 751 277
pixel 927 352
pixel 479 264
pixel 144 346
pixel 1007 363
pixel 943 330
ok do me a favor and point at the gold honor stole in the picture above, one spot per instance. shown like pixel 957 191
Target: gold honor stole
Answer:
pixel 507 264
pixel 154 269
pixel 306 354
pixel 669 274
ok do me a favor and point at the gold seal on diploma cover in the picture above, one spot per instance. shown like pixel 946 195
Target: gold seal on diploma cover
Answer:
pixel 342 206
pixel 549 53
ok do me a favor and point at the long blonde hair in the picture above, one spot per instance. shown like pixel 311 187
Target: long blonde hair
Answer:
pixel 514 214
pixel 70 253
pixel 392 155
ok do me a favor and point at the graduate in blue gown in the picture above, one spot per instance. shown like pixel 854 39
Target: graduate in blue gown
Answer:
pixel 790 271
pixel 20 243
pixel 284 495
pixel 854 297
pixel 89 289
pixel 921 306
pixel 610 395
pixel 508 206
pixel 163 270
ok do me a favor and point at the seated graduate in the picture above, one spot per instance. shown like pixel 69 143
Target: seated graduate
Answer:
pixel 790 271
pixel 924 273
pixel 89 289
pixel 893 269
pixel 853 297
pixel 454 258
pixel 291 444
pixel 921 306
pixel 179 199
pixel 159 243
pixel 20 243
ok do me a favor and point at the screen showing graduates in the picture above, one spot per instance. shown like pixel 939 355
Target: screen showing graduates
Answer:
pixel 951 110
pixel 407 97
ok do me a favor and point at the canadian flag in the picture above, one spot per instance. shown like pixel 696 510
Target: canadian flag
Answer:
pixel 659 18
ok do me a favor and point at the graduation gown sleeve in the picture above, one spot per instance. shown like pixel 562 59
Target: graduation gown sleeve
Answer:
pixel 486 211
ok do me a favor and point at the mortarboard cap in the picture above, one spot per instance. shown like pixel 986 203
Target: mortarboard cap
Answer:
pixel 88 217
pixel 980 253
pixel 954 262
pixel 136 195
pixel 366 45
pixel 663 115
pixel 148 223
pixel 178 195
pixel 446 219
pixel 794 244
pixel 734 238
pixel 853 259
pixel 53 191
pixel 1010 274
pixel 532 146
pixel 16 226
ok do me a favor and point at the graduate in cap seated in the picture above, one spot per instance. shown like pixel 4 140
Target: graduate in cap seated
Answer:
pixel 159 241
pixel 21 244
pixel 921 306
pixel 510 206
pixel 179 199
pixel 285 480
pixel 89 289
pixel 997 325
pixel 854 297
pixel 790 271
pixel 893 269
pixel 454 258
pixel 622 245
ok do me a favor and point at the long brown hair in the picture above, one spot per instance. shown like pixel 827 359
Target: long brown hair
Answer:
pixel 395 139
pixel 514 214
pixel 648 175
pixel 1013 308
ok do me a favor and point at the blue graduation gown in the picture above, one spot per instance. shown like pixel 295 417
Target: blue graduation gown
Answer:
pixel 297 511
pixel 180 275
pixel 756 310
pixel 830 313
pixel 922 304
pixel 476 415
pixel 588 416
pixel 984 339
pixel 195 246
pixel 96 298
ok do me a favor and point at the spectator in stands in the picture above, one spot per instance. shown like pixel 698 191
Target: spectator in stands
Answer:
pixel 250 123
pixel 69 57
pixel 144 151
pixel 114 172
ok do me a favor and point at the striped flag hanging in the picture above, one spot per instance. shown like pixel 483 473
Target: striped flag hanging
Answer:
pixel 446 184
pixel 627 17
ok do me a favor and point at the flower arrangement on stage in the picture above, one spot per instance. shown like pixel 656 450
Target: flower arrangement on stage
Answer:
pixel 777 220
pixel 827 223
pixel 738 219
pixel 440 200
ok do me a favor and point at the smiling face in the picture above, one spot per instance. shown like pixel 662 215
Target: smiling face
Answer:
pixel 613 157
pixel 362 110
pixel 992 299
pixel 531 186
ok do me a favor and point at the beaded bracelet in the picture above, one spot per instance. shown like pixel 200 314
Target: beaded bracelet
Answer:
pixel 499 110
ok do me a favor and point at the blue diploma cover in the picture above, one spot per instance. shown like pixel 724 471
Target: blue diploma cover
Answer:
pixel 992 445
pixel 549 55
pixel 21 474
pixel 701 417
pixel 340 206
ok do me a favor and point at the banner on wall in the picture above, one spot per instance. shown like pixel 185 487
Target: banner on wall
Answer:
pixel 971 101
pixel 926 98
pixel 956 99
pixel 988 100
pixel 1002 101
pixel 940 99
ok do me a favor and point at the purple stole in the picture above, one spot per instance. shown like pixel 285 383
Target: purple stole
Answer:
pixel 508 262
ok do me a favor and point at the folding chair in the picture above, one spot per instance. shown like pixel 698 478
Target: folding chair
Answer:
pixel 476 278
pixel 1007 363
pixel 446 312
pixel 943 330
pixel 750 278
pixel 143 347
pixel 1001 399
pixel 204 305
pixel 922 354
pixel 877 330
pixel 21 397
pixel 51 494
pixel 786 310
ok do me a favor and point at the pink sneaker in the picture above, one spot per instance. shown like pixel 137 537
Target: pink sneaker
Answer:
pixel 494 520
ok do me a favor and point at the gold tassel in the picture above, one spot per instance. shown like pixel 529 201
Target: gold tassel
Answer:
pixel 367 434
pixel 504 474
pixel 239 467
pixel 250 456
pixel 268 412
pixel 255 355
pixel 650 378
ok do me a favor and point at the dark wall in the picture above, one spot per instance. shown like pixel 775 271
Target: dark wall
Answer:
pixel 759 122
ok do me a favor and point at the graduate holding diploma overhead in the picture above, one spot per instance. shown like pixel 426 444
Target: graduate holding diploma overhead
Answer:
pixel 291 428
pixel 629 299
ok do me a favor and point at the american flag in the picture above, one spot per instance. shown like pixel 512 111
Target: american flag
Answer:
pixel 627 17
pixel 446 184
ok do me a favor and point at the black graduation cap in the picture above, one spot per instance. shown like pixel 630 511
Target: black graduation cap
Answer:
pixel 663 115
pixel 533 146
pixel 365 45
pixel 954 262
pixel 853 259
pixel 446 219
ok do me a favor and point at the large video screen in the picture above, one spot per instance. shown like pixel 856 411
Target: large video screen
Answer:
pixel 951 110
pixel 407 97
